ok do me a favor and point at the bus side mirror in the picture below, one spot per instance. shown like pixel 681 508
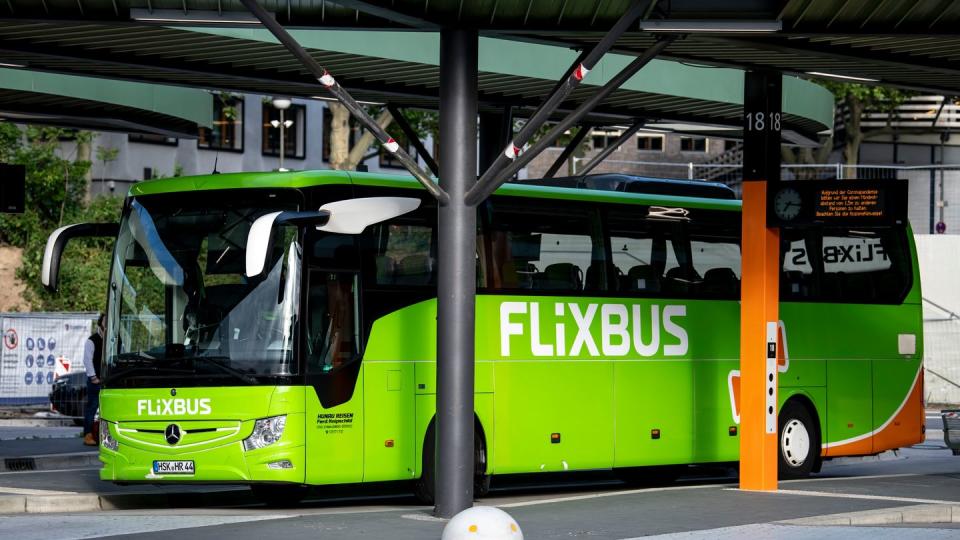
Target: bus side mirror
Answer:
pixel 350 216
pixel 57 241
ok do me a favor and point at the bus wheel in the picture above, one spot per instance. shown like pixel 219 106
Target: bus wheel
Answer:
pixel 481 480
pixel 424 488
pixel 279 495
pixel 799 441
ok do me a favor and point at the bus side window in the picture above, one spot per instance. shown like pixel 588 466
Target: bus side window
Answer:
pixel 715 255
pixel 865 265
pixel 402 254
pixel 542 248
pixel 332 299
pixel 642 253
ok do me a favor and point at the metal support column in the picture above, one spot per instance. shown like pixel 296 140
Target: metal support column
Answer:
pixel 760 293
pixel 457 271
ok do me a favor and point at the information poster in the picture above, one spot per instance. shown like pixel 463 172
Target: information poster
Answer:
pixel 37 349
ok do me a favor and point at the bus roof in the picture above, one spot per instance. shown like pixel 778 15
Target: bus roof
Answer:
pixel 303 179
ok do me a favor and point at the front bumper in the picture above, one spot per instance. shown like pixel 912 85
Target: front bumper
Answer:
pixel 222 463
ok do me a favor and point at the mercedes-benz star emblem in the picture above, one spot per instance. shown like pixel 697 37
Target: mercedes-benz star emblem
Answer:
pixel 172 434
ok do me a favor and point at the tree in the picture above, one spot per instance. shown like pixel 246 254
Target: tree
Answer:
pixel 858 99
pixel 347 158
pixel 55 190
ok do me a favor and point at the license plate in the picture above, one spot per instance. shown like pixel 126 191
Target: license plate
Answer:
pixel 173 467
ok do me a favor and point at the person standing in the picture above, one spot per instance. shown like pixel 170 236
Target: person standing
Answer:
pixel 92 351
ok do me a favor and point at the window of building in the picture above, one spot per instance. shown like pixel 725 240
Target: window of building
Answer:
pixel 227 130
pixel 149 138
pixel 602 139
pixel 730 145
pixel 693 144
pixel 388 160
pixel 650 143
pixel 294 135
pixel 543 248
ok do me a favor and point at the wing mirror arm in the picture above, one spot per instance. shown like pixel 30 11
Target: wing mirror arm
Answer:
pixel 57 241
pixel 350 216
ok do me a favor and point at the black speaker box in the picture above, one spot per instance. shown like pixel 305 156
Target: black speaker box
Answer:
pixel 13 180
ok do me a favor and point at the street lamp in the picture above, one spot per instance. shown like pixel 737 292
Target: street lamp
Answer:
pixel 281 104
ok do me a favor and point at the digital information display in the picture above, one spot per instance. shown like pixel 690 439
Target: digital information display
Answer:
pixel 837 202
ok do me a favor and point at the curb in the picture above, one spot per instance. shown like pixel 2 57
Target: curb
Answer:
pixel 47 462
pixel 922 513
pixel 40 504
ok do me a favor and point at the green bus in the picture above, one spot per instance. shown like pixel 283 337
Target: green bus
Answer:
pixel 253 339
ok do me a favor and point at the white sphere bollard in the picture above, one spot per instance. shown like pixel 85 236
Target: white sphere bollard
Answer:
pixel 482 523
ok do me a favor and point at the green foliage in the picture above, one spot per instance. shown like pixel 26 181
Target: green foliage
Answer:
pixel 106 154
pixel 53 184
pixel 55 187
pixel 86 263
pixel 872 97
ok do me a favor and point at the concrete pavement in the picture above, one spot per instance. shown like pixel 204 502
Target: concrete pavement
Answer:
pixel 913 494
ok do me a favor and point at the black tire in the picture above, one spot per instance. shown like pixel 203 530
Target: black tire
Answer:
pixel 798 434
pixel 424 487
pixel 279 495
pixel 481 480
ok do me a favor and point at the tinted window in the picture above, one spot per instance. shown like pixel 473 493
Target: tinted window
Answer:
pixel 845 265
pixel 675 252
pixel 542 247
pixel 401 252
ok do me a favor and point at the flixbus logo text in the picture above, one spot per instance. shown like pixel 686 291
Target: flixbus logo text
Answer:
pixel 173 406
pixel 624 330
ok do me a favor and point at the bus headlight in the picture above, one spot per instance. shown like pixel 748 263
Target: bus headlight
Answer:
pixel 106 441
pixel 266 431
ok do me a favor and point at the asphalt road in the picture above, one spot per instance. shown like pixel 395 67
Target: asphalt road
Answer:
pixel 704 504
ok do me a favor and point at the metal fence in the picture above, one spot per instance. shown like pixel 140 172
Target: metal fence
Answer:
pixel 941 354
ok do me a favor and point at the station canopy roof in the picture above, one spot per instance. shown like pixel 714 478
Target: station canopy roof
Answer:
pixel 906 43
pixel 103 105
pixel 113 39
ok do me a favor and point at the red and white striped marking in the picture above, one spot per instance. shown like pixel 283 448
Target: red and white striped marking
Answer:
pixel 327 79
pixel 512 151
pixel 391 145
pixel 580 72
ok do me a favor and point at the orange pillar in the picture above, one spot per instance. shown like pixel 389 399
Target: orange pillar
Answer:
pixel 758 307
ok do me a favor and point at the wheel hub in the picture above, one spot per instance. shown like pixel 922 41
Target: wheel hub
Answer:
pixel 795 442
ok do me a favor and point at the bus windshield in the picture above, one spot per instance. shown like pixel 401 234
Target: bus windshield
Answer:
pixel 181 309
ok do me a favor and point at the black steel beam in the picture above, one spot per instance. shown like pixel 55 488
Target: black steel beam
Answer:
pixel 414 138
pixel 456 283
pixel 484 188
pixel 568 150
pixel 597 159
pixel 576 74
pixel 330 83
pixel 388 14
